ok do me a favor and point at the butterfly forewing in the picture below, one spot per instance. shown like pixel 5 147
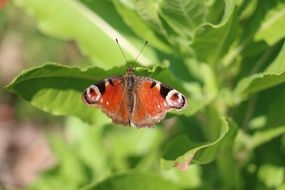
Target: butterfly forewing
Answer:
pixel 109 95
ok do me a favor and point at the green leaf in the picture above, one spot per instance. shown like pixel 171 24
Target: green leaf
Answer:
pixel 210 81
pixel 210 41
pixel 276 107
pixel 181 178
pixel 247 8
pixel 258 82
pixel 278 65
pixel 71 20
pixel 272 76
pixel 262 20
pixel 183 15
pixel 215 11
pixel 272 176
pixel 148 12
pixel 226 162
pixel 86 142
pixel 57 89
pixel 67 161
pixel 126 143
pixel 261 137
pixel 134 179
pixel 270 30
pixel 182 150
pixel 137 24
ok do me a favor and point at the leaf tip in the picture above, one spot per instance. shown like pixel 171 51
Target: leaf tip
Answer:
pixel 183 165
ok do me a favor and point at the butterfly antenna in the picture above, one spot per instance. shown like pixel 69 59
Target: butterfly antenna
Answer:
pixel 141 50
pixel 121 50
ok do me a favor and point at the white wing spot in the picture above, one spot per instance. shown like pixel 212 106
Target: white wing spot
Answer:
pixel 178 102
pixel 90 96
pixel 107 103
pixel 157 85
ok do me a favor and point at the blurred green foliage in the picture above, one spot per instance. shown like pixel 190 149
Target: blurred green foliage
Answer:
pixel 227 56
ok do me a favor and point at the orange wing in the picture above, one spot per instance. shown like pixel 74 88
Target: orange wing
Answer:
pixel 150 106
pixel 109 95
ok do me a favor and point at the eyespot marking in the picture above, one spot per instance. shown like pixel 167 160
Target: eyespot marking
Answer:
pixel 92 95
pixel 175 99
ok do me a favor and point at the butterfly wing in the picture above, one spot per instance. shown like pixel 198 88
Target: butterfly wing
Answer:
pixel 152 101
pixel 109 95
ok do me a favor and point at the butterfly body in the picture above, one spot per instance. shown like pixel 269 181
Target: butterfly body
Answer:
pixel 134 100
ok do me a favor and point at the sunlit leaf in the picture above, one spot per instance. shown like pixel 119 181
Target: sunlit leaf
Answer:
pixel 226 160
pixel 71 20
pixel 272 176
pixel 225 56
pixel 133 179
pixel 183 150
pixel 210 41
pixel 183 15
pixel 272 76
pixel 57 89
pixel 137 24
pixel 270 30
pixel 261 137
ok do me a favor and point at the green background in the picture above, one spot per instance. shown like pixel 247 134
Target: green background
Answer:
pixel 226 56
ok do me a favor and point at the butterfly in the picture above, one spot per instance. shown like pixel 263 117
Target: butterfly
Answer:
pixel 134 100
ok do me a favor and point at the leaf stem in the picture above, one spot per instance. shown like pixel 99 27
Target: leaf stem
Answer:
pixel 249 112
pixel 261 61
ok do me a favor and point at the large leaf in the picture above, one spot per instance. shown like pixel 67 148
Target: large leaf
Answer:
pixel 63 173
pixel 182 151
pixel 134 180
pixel 210 41
pixel 226 161
pixel 270 30
pixel 183 15
pixel 261 137
pixel 259 82
pixel 262 20
pixel 86 141
pixel 276 108
pixel 272 176
pixel 273 75
pixel 57 89
pixel 71 20
pixel 148 12
pixel 137 24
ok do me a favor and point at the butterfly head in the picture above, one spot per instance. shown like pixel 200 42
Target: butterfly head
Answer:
pixel 130 71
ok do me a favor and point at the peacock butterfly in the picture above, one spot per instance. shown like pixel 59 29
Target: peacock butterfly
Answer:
pixel 134 100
